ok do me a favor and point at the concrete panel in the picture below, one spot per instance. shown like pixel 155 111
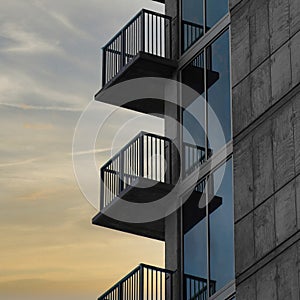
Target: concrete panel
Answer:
pixel 296 123
pixel 281 72
pixel 261 89
pixel 240 43
pixel 287 269
pixel 263 172
pixel 264 228
pixel 246 290
pixel 297 186
pixel 283 146
pixel 295 58
pixel 285 213
pixel 241 106
pixel 279 23
pixel 259 32
pixel 233 3
pixel 295 16
pixel 266 283
pixel 244 244
pixel 243 178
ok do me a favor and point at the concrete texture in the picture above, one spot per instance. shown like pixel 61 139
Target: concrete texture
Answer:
pixel 240 44
pixel 259 32
pixel 281 74
pixel 283 146
pixel 263 171
pixel 266 124
pixel 243 185
pixel 261 89
pixel 244 246
pixel 264 228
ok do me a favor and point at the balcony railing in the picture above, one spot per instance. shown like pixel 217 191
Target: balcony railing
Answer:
pixel 144 282
pixel 196 288
pixel 148 156
pixel 147 32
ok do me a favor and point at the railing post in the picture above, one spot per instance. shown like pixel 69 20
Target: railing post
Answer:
pixel 170 38
pixel 123 48
pixel 141 282
pixel 121 178
pixel 143 31
pixel 103 67
pixel 102 189
pixel 120 291
pixel 141 156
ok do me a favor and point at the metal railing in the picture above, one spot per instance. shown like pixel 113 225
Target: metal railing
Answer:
pixel 194 156
pixel 191 33
pixel 144 282
pixel 147 155
pixel 148 32
pixel 196 288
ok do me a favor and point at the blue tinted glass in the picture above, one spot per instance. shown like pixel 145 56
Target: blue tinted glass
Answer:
pixel 218 93
pixel 195 245
pixel 194 116
pixel 215 10
pixel 221 228
pixel 192 22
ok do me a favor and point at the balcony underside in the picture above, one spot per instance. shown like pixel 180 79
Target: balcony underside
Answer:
pixel 142 65
pixel 157 190
pixel 147 65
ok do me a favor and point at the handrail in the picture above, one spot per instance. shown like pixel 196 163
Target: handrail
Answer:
pixel 143 282
pixel 196 287
pixel 147 156
pixel 148 32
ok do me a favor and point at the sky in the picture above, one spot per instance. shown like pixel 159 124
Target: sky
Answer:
pixel 50 62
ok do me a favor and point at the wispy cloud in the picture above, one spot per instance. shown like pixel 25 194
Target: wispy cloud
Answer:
pixel 17 163
pixel 93 151
pixel 63 20
pixel 36 107
pixel 25 41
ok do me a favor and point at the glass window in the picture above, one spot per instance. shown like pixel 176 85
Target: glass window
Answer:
pixel 208 238
pixel 192 22
pixel 193 15
pixel 195 245
pixel 215 10
pixel 194 116
pixel 218 92
pixel 221 229
pixel 213 106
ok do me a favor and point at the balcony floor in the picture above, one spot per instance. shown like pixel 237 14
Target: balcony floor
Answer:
pixel 142 65
pixel 155 229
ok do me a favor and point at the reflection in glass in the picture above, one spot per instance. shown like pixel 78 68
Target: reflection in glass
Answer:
pixel 193 18
pixel 215 10
pixel 221 229
pixel 218 93
pixel 193 116
pixel 192 22
pixel 195 245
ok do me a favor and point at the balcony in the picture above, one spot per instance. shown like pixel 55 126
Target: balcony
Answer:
pixel 195 288
pixel 144 282
pixel 141 49
pixel 152 283
pixel 142 173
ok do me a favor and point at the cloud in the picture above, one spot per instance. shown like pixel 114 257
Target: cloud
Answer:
pixel 25 41
pixel 62 19
pixel 17 163
pixel 35 107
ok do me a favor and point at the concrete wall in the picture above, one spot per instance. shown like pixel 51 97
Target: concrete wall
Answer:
pixel 266 126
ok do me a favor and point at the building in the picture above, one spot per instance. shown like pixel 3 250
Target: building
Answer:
pixel 242 240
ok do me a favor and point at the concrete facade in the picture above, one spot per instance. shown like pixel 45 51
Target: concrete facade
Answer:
pixel 265 45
